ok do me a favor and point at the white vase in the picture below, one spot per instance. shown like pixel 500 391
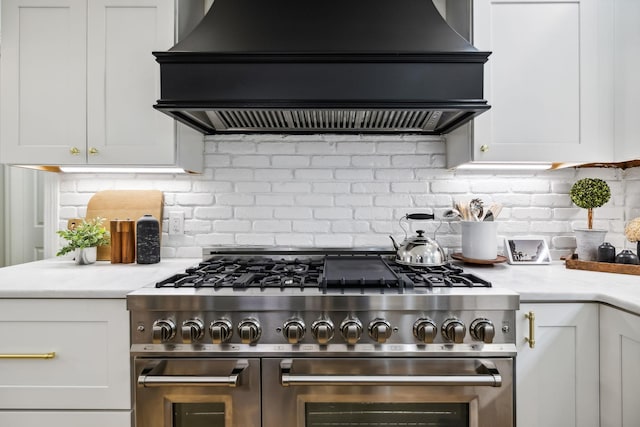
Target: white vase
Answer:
pixel 587 242
pixel 84 256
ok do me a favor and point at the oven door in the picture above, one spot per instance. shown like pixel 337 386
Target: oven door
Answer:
pixel 388 392
pixel 189 392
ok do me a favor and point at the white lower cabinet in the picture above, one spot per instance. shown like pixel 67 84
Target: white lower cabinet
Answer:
pixel 67 357
pixel 557 379
pixel 619 368
pixel 65 419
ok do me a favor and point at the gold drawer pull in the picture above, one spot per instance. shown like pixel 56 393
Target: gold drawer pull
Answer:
pixel 29 356
pixel 532 326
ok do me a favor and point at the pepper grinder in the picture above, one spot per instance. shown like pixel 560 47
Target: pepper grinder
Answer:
pixel 148 240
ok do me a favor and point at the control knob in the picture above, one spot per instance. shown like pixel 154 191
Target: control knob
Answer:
pixel 322 330
pixel 379 330
pixel 163 330
pixel 294 330
pixel 453 330
pixel 249 330
pixel 192 331
pixel 425 330
pixel 221 331
pixel 482 330
pixel 351 329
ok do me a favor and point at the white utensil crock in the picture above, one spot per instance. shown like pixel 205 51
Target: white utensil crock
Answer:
pixel 479 239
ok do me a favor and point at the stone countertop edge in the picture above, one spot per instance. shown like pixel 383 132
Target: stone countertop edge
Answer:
pixel 62 278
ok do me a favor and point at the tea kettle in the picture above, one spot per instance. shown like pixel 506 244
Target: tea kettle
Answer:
pixel 420 250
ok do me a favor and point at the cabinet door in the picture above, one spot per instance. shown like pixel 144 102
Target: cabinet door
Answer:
pixel 65 419
pixel 619 373
pixel 43 110
pixel 90 368
pixel 544 81
pixel 557 380
pixel 124 82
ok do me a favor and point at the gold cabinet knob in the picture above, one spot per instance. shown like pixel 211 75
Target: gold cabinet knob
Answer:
pixel 74 151
pixel 93 150
pixel 484 148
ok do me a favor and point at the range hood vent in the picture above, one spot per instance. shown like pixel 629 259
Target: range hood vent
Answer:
pixel 333 66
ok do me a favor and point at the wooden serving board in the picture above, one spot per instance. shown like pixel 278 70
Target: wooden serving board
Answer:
pixel 605 267
pixel 124 204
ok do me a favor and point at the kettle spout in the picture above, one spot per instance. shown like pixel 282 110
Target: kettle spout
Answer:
pixel 395 245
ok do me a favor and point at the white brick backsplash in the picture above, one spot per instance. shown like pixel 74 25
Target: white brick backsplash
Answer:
pixel 253 187
pixel 231 226
pixel 392 200
pixel 314 199
pixel 290 161
pixel 354 174
pixel 194 199
pixel 250 161
pixel 272 226
pixel 293 213
pixel 313 174
pixel 253 212
pixel 294 240
pixel 235 199
pixel 350 190
pixel 273 174
pixel 333 213
pixel 213 212
pixel 291 187
pixel 331 187
pixel 354 200
pixel 330 161
pixel 314 226
pixel 371 161
pixel 275 200
pixel 350 227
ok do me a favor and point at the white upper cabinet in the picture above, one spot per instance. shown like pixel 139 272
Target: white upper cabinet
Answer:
pixel 626 67
pixel 79 82
pixel 550 98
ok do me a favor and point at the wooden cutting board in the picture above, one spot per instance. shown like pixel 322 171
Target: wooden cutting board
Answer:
pixel 124 204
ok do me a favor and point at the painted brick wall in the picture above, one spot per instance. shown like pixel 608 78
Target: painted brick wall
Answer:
pixel 350 191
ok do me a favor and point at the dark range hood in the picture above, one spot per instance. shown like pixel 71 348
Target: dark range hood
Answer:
pixel 332 66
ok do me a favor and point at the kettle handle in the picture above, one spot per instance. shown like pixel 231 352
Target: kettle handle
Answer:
pixel 420 216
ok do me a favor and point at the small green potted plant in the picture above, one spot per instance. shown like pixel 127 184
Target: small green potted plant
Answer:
pixel 589 193
pixel 84 239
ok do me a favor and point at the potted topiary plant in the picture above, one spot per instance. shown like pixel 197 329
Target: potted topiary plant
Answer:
pixel 84 239
pixel 589 193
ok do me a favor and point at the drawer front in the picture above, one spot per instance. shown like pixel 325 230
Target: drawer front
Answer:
pixel 65 419
pixel 64 354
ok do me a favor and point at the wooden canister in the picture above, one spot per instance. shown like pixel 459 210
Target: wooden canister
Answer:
pixel 116 241
pixel 128 245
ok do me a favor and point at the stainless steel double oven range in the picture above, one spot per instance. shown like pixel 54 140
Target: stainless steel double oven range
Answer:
pixel 322 337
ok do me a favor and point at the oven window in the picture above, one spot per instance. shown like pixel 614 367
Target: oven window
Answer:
pixel 198 414
pixel 386 414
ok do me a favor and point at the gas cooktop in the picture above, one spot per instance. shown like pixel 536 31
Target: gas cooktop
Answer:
pixel 327 271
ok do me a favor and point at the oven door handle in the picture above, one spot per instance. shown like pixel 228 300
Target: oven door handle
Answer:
pixel 232 380
pixel 487 375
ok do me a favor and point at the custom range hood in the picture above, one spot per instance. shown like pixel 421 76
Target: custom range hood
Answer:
pixel 332 66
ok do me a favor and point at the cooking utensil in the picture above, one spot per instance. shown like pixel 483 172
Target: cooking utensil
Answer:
pixel 419 250
pixel 476 209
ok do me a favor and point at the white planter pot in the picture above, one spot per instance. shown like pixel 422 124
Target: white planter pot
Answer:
pixel 84 256
pixel 587 242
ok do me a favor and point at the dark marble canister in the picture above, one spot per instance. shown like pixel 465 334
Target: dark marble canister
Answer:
pixel 147 240
pixel 606 253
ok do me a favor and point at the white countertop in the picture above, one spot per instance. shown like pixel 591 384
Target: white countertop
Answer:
pixel 62 278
